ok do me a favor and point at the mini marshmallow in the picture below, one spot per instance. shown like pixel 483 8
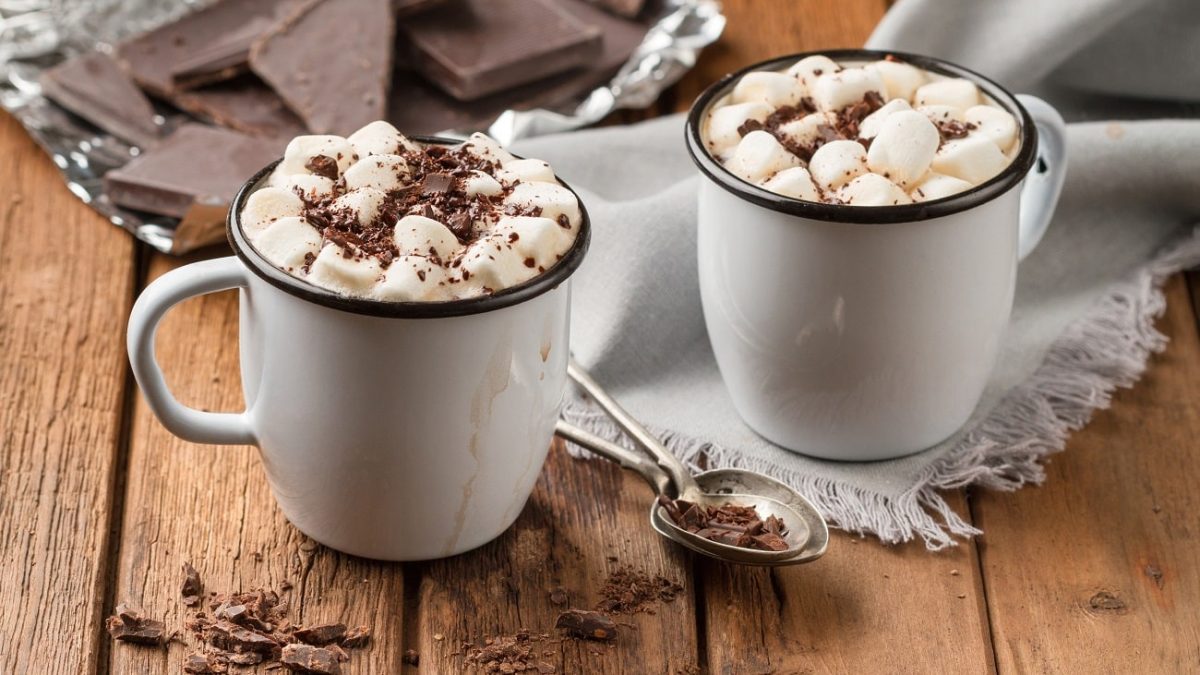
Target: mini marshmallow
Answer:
pixel 418 235
pixel 485 146
pixel 773 89
pixel 904 147
pixel 871 189
pixel 759 156
pixel 973 159
pixel 528 170
pixel 537 239
pixel 307 185
pixel 899 79
pixel 724 122
pixel 379 171
pixel 957 92
pixel 287 241
pixel 554 200
pixel 267 205
pixel 994 123
pixel 409 278
pixel 809 68
pixel 795 183
pixel 302 149
pixel 834 91
pixel 366 202
pixel 837 163
pixel 379 138
pixel 339 272
pixel 937 186
pixel 941 113
pixel 869 127
pixel 479 183
pixel 491 264
pixel 805 130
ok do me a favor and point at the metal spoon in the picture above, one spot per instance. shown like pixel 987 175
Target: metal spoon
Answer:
pixel 807 535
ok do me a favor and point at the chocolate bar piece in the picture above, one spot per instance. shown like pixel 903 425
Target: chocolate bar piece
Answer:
pixel 243 104
pixel 472 48
pixel 222 59
pixel 95 87
pixel 196 165
pixel 409 7
pixel 212 33
pixel 331 62
pixel 627 8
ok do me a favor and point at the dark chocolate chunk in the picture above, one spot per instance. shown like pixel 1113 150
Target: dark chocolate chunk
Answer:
pixel 728 524
pixel 323 166
pixel 129 625
pixel 411 658
pixel 334 84
pixel 322 634
pixel 436 182
pixel 222 59
pixel 472 48
pixel 206 664
pixel 356 637
pixel 309 659
pixel 243 104
pixel 234 638
pixel 95 87
pixel 192 588
pixel 195 166
pixel 588 625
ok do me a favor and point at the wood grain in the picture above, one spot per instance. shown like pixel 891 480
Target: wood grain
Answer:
pixel 212 506
pixel 1096 571
pixel 66 280
pixel 862 608
pixel 585 519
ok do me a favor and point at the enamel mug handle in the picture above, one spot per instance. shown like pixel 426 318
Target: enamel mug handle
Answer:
pixel 1044 183
pixel 167 291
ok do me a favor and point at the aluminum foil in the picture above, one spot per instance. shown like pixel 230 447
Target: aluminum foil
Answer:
pixel 36 34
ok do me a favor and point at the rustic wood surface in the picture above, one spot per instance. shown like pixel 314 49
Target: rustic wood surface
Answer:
pixel 1093 572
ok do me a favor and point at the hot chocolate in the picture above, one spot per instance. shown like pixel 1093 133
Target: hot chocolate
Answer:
pixel 377 215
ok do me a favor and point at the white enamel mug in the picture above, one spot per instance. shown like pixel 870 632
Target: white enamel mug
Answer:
pixel 865 333
pixel 389 430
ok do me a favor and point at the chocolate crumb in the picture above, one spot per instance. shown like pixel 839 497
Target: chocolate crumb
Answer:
pixel 323 165
pixel 587 625
pixel 628 591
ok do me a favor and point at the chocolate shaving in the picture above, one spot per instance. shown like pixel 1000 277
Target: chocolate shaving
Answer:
pixel 587 625
pixel 323 165
pixel 952 129
pixel 728 524
pixel 628 591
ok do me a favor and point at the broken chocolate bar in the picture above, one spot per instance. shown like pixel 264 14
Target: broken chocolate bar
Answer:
pixel 243 104
pixel 128 625
pixel 95 87
pixel 321 634
pixel 587 625
pixel 472 48
pixel 309 659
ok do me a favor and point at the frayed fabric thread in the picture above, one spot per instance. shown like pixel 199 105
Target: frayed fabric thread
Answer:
pixel 1108 347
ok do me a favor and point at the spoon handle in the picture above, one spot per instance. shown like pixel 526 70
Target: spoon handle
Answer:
pixel 653 473
pixel 680 476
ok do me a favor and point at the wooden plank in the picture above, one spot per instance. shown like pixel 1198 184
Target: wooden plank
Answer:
pixel 862 608
pixel 585 519
pixel 1096 571
pixel 1193 278
pixel 212 506
pixel 66 276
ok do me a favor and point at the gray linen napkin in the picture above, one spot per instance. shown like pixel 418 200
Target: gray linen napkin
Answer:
pixel 1086 299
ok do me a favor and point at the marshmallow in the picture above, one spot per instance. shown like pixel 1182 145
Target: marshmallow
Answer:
pixel 537 239
pixel 410 278
pixel 418 235
pixel 759 156
pixel 268 205
pixel 904 147
pixel 379 138
pixel 774 89
pixel 834 91
pixel 973 159
pixel 957 92
pixel 491 264
pixel 939 114
pixel 553 199
pixel 528 170
pixel 899 79
pixel 804 131
pixel 307 185
pixel 724 122
pixel 837 163
pixel 869 127
pixel 479 183
pixel 871 189
pixel 339 272
pixel 365 202
pixel 809 68
pixel 287 241
pixel 994 123
pixel 795 183
pixel 302 149
pixel 487 147
pixel 379 171
pixel 937 186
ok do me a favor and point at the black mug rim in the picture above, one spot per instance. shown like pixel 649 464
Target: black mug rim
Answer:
pixel 1010 177
pixel 513 295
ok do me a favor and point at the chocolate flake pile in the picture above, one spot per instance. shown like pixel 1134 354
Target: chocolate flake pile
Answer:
pixel 728 524
pixel 628 591
pixel 510 654
pixel 243 629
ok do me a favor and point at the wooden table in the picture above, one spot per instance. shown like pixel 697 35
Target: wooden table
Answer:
pixel 1096 571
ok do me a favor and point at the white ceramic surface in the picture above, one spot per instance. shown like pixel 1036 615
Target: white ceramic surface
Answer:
pixel 869 339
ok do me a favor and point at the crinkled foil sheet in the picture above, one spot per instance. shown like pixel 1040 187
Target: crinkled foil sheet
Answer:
pixel 36 34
